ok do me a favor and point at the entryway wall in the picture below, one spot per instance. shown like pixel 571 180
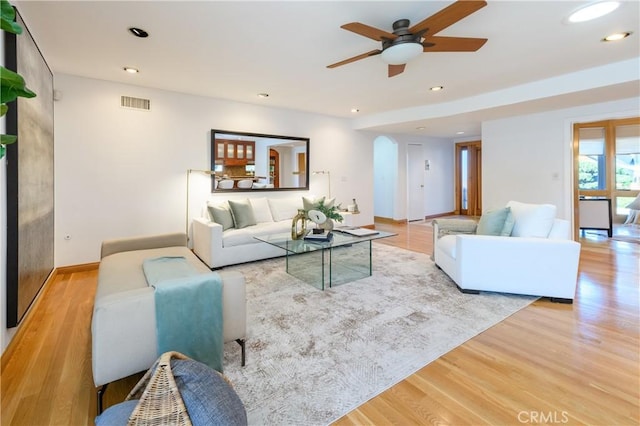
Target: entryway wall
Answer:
pixel 390 175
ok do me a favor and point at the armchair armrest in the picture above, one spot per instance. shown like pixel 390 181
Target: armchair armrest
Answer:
pixel 142 243
pixel 454 226
pixel 207 239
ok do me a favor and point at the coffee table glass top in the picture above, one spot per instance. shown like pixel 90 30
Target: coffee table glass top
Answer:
pixel 325 264
pixel 284 241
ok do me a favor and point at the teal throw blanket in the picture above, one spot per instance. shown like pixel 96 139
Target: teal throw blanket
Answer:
pixel 188 309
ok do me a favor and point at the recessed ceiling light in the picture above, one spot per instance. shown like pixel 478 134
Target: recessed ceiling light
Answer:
pixel 436 88
pixel 139 32
pixel 617 36
pixel 420 128
pixel 459 133
pixel 593 11
pixel 131 70
pixel 354 110
pixel 263 95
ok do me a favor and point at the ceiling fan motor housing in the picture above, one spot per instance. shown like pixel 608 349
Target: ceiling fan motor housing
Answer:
pixel 403 47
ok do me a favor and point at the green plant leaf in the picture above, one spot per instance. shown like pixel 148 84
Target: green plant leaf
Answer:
pixel 8 17
pixel 12 85
pixel 3 109
pixel 7 139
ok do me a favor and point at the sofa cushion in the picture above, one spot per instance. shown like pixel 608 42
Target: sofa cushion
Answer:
pixel 221 214
pixel 261 210
pixel 492 221
pixel 532 220
pixel 238 237
pixel 284 208
pixel 242 212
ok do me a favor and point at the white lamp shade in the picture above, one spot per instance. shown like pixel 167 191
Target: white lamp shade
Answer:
pixel 401 53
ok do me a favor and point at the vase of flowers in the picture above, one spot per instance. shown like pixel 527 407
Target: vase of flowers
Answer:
pixel 332 213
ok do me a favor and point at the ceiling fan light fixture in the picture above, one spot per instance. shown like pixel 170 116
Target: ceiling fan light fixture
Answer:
pixel 399 54
pixel 593 11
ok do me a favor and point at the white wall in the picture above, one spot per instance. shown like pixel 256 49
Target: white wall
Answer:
pixel 529 158
pixel 385 180
pixel 390 158
pixel 122 172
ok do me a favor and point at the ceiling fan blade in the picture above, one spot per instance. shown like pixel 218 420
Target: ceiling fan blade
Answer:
pixel 396 69
pixel 367 31
pixel 448 16
pixel 356 58
pixel 453 44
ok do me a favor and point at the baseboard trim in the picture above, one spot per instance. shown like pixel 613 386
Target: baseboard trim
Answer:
pixel 389 220
pixel 435 216
pixel 381 219
pixel 78 268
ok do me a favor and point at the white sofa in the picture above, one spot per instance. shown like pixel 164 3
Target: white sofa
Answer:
pixel 123 326
pixel 218 247
pixel 538 258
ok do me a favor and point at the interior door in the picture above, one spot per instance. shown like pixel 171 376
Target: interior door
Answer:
pixel 415 182
pixel 469 178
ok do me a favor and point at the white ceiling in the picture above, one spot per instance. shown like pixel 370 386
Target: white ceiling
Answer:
pixel 237 49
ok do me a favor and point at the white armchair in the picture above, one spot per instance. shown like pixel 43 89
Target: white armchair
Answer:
pixel 538 258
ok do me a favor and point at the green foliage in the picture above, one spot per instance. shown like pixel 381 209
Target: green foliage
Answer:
pixel 12 85
pixel 332 212
pixel 8 18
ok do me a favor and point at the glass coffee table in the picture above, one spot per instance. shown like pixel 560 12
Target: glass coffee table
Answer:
pixel 326 264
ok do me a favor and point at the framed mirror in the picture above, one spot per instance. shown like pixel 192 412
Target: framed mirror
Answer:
pixel 244 161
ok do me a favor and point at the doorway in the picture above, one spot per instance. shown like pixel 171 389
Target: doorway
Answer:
pixel 468 176
pixel 274 168
pixel 415 182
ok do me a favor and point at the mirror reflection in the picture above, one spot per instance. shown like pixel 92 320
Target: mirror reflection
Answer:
pixel 244 161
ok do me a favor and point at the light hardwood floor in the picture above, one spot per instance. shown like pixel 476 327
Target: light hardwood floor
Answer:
pixel 548 363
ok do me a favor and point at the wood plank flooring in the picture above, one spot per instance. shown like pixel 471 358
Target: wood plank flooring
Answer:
pixel 547 364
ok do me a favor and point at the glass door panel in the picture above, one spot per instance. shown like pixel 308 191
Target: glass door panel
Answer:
pixel 592 161
pixel 627 177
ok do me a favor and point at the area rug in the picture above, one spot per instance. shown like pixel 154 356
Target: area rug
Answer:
pixel 313 356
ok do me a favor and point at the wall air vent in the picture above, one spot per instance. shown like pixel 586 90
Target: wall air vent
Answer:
pixel 135 103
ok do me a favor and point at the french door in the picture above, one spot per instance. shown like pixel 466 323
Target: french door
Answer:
pixel 607 164
pixel 469 178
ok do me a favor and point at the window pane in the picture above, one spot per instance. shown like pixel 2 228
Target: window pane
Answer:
pixel 464 176
pixel 592 168
pixel 628 157
pixel 621 205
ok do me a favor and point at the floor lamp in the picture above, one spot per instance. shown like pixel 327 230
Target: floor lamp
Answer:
pixel 324 172
pixel 189 171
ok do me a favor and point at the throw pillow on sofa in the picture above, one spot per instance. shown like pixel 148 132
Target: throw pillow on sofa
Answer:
pixel 242 213
pixel 221 214
pixel 532 220
pixel 261 210
pixel 312 203
pixel 284 208
pixel 493 222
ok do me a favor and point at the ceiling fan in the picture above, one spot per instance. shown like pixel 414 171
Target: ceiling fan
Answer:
pixel 405 43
